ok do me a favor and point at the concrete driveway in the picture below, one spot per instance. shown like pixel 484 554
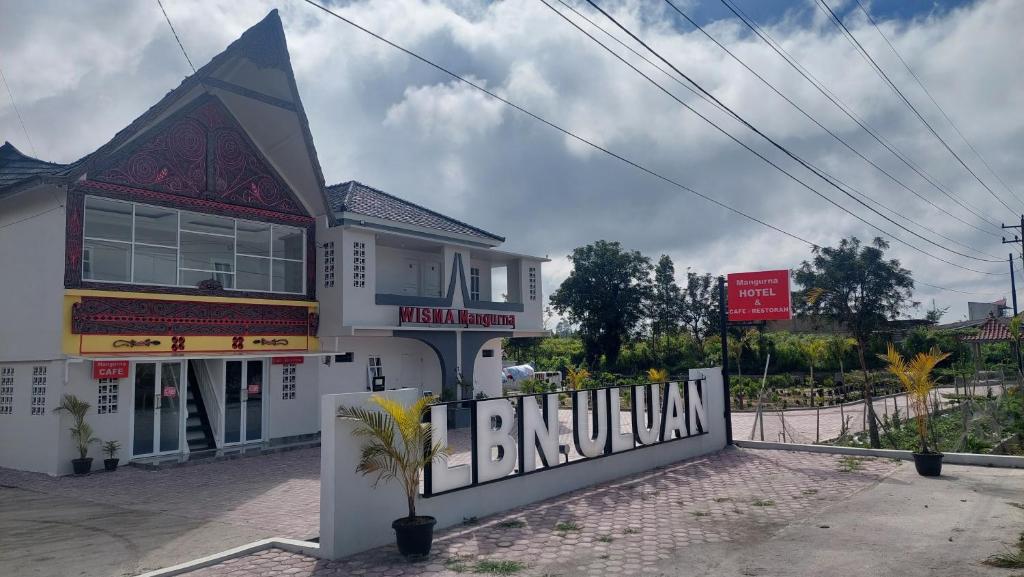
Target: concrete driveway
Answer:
pixel 134 520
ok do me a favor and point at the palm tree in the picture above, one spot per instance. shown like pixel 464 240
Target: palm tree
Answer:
pixel 814 349
pixel 81 432
pixel 657 375
pixel 916 378
pixel 392 457
pixel 577 377
pixel 838 346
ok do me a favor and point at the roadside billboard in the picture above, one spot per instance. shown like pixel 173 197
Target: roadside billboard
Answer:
pixel 759 296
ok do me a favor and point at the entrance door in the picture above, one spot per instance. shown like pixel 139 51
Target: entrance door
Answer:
pixel 243 401
pixel 157 414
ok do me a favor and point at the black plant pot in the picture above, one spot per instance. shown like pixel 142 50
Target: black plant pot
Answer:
pixel 82 466
pixel 110 464
pixel 414 535
pixel 928 464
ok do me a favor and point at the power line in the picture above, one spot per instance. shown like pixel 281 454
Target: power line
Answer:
pixel 173 31
pixel 824 128
pixel 878 69
pixel 557 127
pixel 834 182
pixel 845 109
pixel 564 131
pixel 14 105
pixel 932 98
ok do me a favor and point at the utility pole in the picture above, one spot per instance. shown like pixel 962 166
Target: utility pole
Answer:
pixel 1015 240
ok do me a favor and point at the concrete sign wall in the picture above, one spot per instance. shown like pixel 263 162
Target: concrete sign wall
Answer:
pixel 354 516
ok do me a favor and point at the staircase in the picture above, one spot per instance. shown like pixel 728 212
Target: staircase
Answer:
pixel 198 432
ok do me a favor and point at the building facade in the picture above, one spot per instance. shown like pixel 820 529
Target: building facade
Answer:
pixel 197 283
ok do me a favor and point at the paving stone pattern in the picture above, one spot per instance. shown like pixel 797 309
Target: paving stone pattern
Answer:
pixel 625 527
pixel 279 492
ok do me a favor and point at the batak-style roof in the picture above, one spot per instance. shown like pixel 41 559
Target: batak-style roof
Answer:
pixel 263 44
pixel 356 197
pixel 17 168
pixel 992 330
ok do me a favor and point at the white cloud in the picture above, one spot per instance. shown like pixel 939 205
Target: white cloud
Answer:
pixel 388 120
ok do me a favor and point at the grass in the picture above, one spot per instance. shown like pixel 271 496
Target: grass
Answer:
pixel 1007 560
pixel 457 564
pixel 512 524
pixel 809 492
pixel 850 464
pixel 566 526
pixel 763 503
pixel 605 538
pixel 630 531
pixel 721 499
pixel 701 514
pixel 493 567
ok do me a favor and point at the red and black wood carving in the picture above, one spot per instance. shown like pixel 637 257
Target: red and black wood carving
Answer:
pixel 126 316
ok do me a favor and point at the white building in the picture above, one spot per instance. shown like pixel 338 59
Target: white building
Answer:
pixel 197 283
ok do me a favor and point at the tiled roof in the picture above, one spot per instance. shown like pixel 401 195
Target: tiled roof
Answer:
pixel 16 167
pixel 992 329
pixel 358 198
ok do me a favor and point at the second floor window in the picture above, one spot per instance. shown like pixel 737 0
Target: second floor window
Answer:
pixel 141 244
pixel 474 284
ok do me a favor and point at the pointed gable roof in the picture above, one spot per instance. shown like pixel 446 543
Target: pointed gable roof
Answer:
pixel 17 168
pixel 992 330
pixel 264 45
pixel 357 198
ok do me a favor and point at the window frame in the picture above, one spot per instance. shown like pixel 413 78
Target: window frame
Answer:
pixel 131 244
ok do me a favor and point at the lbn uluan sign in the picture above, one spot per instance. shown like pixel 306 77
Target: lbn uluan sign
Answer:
pixel 526 433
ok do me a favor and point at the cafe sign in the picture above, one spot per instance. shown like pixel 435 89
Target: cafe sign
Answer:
pixel 759 296
pixel 427 316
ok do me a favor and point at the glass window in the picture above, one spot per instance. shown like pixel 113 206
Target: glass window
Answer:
pixel 207 252
pixel 108 219
pixel 156 265
pixel 254 238
pixel 287 276
pixel 192 278
pixel 253 273
pixel 126 242
pixel 207 223
pixel 288 242
pixel 106 261
pixel 154 225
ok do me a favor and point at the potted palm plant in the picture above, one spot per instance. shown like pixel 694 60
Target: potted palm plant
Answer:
pixel 81 432
pixel 111 448
pixel 916 378
pixel 398 457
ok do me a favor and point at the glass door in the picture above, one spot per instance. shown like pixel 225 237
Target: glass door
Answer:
pixel 243 406
pixel 157 415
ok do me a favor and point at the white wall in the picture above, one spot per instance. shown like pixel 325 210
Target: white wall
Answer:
pixel 354 516
pixel 422 370
pixel 30 442
pixel 107 427
pixel 487 370
pixel 298 416
pixel 32 278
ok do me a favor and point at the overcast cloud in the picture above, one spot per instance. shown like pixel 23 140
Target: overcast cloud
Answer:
pixel 80 71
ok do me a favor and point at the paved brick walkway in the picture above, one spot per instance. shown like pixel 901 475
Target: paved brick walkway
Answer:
pixel 277 493
pixel 626 527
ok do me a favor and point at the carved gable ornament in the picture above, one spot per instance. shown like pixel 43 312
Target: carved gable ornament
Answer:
pixel 202 153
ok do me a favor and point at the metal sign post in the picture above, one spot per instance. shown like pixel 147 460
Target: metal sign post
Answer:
pixel 723 322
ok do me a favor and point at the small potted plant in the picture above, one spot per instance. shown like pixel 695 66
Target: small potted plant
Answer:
pixel 400 458
pixel 111 448
pixel 81 432
pixel 916 378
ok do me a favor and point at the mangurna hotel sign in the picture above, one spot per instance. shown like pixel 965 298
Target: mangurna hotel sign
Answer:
pixel 519 435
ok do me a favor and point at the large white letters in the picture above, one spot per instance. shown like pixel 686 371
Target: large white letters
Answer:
pixel 442 477
pixel 698 417
pixel 488 465
pixel 620 441
pixel 590 431
pixel 536 433
pixel 646 414
pixel 673 414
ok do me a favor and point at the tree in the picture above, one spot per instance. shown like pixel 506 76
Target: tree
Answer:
pixel 935 314
pixel 606 295
pixel 666 299
pixel 856 287
pixel 838 346
pixel 699 310
pixel 814 349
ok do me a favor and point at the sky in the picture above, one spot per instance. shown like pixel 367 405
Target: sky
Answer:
pixel 80 71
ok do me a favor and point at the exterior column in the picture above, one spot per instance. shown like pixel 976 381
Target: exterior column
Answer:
pixel 445 346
